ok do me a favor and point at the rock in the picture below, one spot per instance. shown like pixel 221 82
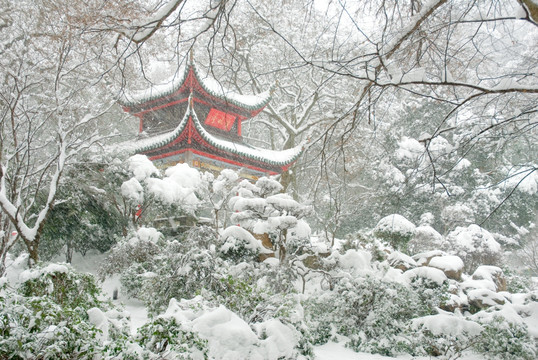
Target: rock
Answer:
pixel 451 265
pixel 423 259
pixel 401 261
pixel 484 298
pixel 454 302
pixel 491 273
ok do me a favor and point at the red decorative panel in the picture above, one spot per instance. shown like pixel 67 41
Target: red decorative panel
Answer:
pixel 220 120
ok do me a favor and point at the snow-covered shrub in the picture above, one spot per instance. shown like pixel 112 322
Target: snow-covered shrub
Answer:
pixel 474 245
pixel 396 230
pixel 240 245
pixel 196 329
pixel 175 273
pixel 56 314
pixel 242 296
pixel 425 239
pixel 445 335
pixel 516 282
pixel 373 313
pixel 62 285
pixel 165 337
pixel 260 209
pixel 506 340
pixel 139 248
pixel 177 268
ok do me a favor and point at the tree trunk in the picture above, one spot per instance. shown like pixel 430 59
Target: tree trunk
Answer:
pixel 32 251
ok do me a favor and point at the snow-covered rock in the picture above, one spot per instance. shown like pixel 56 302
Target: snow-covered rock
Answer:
pixel 451 265
pixel 493 274
pixel 401 261
pixel 484 298
pixel 423 259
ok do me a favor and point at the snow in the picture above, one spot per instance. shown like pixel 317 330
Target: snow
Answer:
pixel 526 180
pixel 178 186
pixel 32 274
pixel 462 164
pixel 214 87
pixel 447 263
pixel 425 238
pixel 99 320
pixel 239 203
pixel 409 149
pixel 471 284
pixel 283 202
pixel 184 175
pixel 277 334
pixel 277 156
pixel 486 297
pixel 233 233
pixel 226 176
pixel 423 258
pixel 217 89
pixel 447 324
pixel 141 167
pixel 144 30
pixel 473 239
pixel 281 222
pixel 132 191
pixel 487 272
pixel 148 234
pixel 397 257
pixel 230 337
pixel 395 224
pixel 424 272
pixel 355 262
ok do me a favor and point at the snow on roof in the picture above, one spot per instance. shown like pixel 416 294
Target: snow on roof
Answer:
pixel 274 157
pixel 155 91
pixel 210 85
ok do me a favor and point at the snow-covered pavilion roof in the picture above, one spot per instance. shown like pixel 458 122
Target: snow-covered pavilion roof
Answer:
pixel 211 86
pixel 272 157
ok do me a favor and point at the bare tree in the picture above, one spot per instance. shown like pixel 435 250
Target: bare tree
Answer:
pixel 60 61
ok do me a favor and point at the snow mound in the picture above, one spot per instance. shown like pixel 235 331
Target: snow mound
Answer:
pixel 425 238
pixel 424 258
pixel 493 274
pixel 483 298
pixel 148 234
pixel 132 191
